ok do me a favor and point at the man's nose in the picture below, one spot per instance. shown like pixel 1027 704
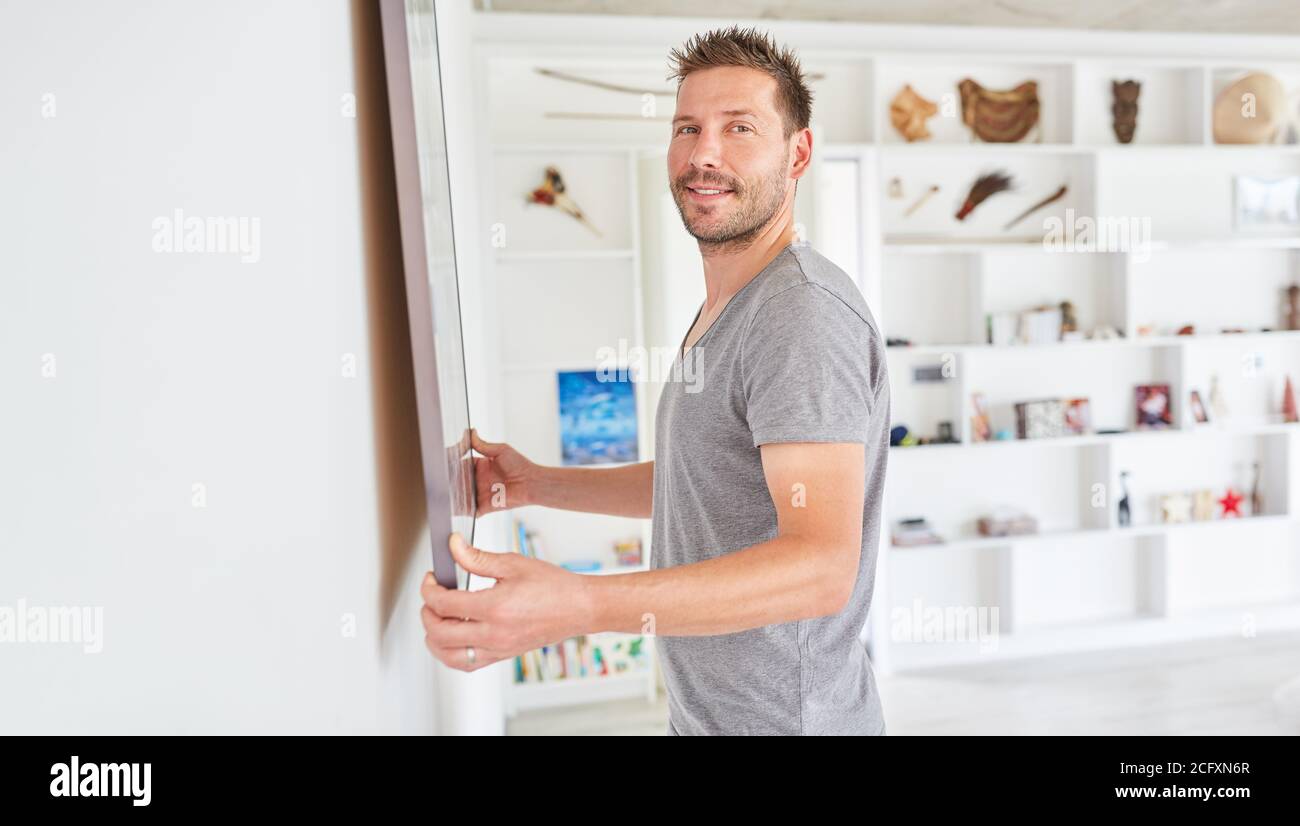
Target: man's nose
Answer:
pixel 707 152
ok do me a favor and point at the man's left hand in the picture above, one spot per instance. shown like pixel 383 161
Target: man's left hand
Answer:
pixel 532 604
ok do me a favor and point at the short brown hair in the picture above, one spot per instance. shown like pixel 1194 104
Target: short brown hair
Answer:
pixel 750 47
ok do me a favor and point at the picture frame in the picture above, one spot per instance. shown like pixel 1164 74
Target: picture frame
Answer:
pixel 1153 406
pixel 1199 414
pixel 1266 205
pixel 415 104
pixel 598 417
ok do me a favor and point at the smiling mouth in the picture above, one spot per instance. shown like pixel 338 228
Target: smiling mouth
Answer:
pixel 704 193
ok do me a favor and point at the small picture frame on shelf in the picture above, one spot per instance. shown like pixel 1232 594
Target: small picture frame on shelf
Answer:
pixel 1052 418
pixel 1154 411
pixel 1078 417
pixel 1266 205
pixel 1199 413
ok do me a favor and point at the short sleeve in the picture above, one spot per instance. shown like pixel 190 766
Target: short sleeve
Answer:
pixel 810 366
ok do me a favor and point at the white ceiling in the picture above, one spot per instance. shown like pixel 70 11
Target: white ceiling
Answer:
pixel 1220 16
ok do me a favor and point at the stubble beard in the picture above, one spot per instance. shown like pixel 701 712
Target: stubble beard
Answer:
pixel 757 205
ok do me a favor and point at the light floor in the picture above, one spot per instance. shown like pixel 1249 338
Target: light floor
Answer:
pixel 1225 686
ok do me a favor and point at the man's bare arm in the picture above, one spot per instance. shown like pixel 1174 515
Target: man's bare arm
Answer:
pixel 620 491
pixel 505 478
pixel 808 570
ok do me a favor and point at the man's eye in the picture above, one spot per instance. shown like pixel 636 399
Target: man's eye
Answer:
pixel 684 128
pixel 742 126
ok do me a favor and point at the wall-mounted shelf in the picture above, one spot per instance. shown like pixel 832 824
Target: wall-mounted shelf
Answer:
pixel 564 255
pixel 1207 431
pixel 934 280
pixel 966 543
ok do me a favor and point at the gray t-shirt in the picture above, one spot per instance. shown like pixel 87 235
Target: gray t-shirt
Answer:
pixel 795 356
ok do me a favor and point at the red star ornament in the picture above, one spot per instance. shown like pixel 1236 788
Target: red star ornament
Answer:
pixel 1231 504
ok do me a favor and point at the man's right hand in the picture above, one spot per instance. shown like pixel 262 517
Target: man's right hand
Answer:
pixel 502 476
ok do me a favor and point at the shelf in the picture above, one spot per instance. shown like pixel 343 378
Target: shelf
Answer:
pixel 1101 344
pixel 563 367
pixel 565 692
pixel 939 246
pixel 981 147
pixel 564 255
pixel 1127 632
pixel 1093 439
pixel 620 569
pixel 1086 149
pixel 1159 529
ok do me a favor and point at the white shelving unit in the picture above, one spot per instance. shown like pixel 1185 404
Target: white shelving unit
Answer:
pixel 564 293
pixel 1083 581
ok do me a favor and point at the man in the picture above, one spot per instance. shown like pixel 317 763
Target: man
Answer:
pixel 769 466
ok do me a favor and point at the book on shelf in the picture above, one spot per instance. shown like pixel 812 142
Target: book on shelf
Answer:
pixel 577 658
pixel 914 531
pixel 526 542
pixel 583 658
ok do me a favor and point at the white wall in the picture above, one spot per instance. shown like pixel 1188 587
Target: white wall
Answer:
pixel 180 369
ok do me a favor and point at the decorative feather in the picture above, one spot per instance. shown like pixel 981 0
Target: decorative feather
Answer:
pixel 1055 196
pixel 984 187
pixel 551 193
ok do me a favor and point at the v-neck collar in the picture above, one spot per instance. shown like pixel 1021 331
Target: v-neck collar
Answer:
pixel 681 348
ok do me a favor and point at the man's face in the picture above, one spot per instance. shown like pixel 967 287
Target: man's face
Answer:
pixel 728 159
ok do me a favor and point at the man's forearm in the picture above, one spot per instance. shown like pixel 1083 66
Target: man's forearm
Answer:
pixel 620 491
pixel 781 580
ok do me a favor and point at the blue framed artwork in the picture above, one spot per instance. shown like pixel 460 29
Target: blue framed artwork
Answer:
pixel 597 417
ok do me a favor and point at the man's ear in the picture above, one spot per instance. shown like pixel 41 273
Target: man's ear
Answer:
pixel 802 148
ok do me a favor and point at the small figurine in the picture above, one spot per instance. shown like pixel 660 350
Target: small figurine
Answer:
pixel 1069 324
pixel 1218 407
pixel 1175 508
pixel 1293 307
pixel 1203 505
pixel 908 111
pixel 1125 109
pixel 1125 512
pixel 1256 497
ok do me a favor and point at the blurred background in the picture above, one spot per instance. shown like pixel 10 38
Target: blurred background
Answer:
pixel 211 501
